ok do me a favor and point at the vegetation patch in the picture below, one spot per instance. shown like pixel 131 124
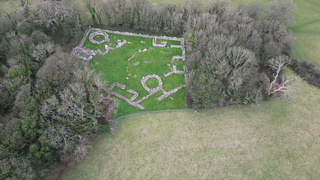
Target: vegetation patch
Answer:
pixel 98 38
pixel 152 83
pixel 146 73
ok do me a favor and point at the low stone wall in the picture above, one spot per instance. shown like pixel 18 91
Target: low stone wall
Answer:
pixel 154 90
pixel 129 101
pixel 174 71
pixel 175 46
pixel 177 57
pixel 139 35
pixel 136 104
pixel 154 43
pixel 77 50
pixel 116 84
pixel 135 94
pixel 97 33
pixel 167 94
pixel 121 43
pixel 84 37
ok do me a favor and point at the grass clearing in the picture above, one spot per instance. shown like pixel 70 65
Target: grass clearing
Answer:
pixel 127 66
pixel 272 140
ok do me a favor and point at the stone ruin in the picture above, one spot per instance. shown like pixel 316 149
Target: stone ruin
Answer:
pixel 97 33
pixel 121 43
pixel 174 71
pixel 91 53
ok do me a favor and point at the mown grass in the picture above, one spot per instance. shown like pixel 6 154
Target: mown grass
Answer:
pixel 117 68
pixel 278 139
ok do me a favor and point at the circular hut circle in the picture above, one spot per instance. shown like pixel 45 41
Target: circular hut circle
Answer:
pixel 154 90
pixel 97 33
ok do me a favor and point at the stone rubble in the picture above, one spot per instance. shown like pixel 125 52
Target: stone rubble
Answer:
pixel 136 53
pixel 175 46
pixel 107 48
pixel 90 53
pixel 121 43
pixel 176 57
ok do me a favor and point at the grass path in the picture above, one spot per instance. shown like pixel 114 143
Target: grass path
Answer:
pixel 272 140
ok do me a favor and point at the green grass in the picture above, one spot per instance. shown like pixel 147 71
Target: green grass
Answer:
pixel 307 31
pixel 115 66
pixel 152 83
pixel 272 140
pixel 99 38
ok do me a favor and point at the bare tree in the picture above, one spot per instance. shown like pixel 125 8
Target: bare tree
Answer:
pixel 282 11
pixel 114 11
pixel 279 83
pixel 254 10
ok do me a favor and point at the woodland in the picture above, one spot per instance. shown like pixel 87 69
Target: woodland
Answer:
pixel 51 103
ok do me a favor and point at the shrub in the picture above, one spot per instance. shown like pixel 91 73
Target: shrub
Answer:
pixel 307 71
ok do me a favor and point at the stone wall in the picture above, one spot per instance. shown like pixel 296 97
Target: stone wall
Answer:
pixel 97 33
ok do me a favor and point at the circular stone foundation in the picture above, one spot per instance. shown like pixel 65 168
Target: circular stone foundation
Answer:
pixel 154 90
pixel 97 33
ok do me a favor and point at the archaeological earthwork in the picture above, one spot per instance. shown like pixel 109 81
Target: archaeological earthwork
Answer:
pixel 87 54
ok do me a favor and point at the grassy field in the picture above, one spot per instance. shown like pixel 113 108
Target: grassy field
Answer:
pixel 307 31
pixel 116 68
pixel 278 139
pixel 273 140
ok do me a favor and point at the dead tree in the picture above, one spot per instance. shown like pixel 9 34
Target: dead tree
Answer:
pixel 278 86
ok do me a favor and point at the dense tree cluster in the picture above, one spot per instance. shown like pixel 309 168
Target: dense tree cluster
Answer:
pixel 231 52
pixel 50 103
